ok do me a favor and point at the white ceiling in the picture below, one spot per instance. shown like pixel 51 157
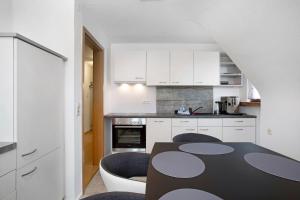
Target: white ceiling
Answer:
pixel 145 21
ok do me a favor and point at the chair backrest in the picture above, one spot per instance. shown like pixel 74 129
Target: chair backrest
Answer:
pixel 127 164
pixel 116 196
pixel 194 137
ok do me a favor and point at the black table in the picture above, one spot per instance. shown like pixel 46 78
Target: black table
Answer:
pixel 228 176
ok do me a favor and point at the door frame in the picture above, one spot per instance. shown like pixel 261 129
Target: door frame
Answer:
pixel 98 105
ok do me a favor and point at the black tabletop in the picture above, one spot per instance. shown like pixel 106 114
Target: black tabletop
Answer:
pixel 227 176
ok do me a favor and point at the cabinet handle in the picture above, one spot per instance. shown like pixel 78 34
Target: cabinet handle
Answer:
pixel 163 82
pixel 203 129
pixel 28 173
pixel 239 129
pixel 27 154
pixel 184 121
pixel 199 82
pixel 239 121
pixel 175 82
pixel 159 121
pixel 190 129
pixel 139 78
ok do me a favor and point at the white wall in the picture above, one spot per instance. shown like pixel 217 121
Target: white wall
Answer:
pixel 263 38
pixel 51 23
pixel 5 15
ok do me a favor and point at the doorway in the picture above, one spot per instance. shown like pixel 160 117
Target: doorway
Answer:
pixel 92 109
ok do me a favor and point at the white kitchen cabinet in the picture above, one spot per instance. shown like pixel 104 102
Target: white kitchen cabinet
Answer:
pixel 177 130
pixel 34 84
pixel 206 68
pixel 239 122
pixel 41 179
pixel 157 130
pixel 6 89
pixel 129 65
pixel 211 131
pixel 239 134
pixel 7 184
pixel 182 67
pixel 40 102
pixel 158 67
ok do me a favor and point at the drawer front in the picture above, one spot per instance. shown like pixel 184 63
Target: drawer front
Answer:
pixel 180 130
pixel 239 122
pixel 42 179
pixel 7 184
pixel 239 134
pixel 210 122
pixel 7 162
pixel 211 131
pixel 184 122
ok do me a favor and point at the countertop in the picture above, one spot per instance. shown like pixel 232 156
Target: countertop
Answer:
pixel 169 115
pixel 7 146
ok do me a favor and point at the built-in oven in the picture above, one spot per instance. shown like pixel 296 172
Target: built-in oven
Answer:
pixel 128 134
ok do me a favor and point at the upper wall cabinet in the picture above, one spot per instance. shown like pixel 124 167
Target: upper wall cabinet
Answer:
pixel 206 68
pixel 158 67
pixel 129 65
pixel 181 67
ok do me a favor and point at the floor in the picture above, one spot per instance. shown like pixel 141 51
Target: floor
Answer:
pixel 96 186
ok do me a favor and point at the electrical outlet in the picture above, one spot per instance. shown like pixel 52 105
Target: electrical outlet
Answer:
pixel 269 131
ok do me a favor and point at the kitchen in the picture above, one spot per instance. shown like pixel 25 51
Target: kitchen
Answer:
pixel 169 89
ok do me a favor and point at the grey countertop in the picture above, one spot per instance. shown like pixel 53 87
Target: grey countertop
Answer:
pixel 170 115
pixel 7 146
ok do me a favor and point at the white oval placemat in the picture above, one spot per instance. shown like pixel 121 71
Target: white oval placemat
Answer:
pixel 178 164
pixel 275 165
pixel 189 194
pixel 206 148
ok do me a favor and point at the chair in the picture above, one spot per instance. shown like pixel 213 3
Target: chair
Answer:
pixel 116 196
pixel 117 169
pixel 194 137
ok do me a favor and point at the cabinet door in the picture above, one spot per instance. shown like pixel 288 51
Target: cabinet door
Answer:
pixel 206 68
pixel 158 67
pixel 6 89
pixel 239 134
pixel 239 122
pixel 129 65
pixel 182 65
pixel 42 179
pixel 177 130
pixel 40 102
pixel 211 131
pixel 7 185
pixel 157 130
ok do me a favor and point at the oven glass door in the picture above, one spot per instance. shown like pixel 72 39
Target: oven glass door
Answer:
pixel 129 136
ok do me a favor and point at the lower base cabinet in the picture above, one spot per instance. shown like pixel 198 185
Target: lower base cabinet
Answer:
pixel 42 179
pixel 211 131
pixel 158 130
pixel 239 134
pixel 7 185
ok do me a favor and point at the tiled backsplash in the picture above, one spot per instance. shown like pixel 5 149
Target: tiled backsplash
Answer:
pixel 169 99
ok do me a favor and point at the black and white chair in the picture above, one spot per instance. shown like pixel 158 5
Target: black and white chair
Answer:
pixel 117 171
pixel 116 196
pixel 194 137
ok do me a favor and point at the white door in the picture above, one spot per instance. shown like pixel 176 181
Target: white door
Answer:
pixel 206 68
pixel 158 130
pixel 129 65
pixel 6 89
pixel 239 134
pixel 40 102
pixel 42 179
pixel 177 130
pixel 182 67
pixel 158 67
pixel 211 131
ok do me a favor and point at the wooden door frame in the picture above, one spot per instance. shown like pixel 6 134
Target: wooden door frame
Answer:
pixel 98 112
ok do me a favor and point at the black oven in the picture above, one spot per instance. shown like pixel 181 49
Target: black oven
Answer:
pixel 129 134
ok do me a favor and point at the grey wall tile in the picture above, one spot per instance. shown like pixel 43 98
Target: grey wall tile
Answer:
pixel 171 98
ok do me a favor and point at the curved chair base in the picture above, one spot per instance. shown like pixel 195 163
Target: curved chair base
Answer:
pixel 116 196
pixel 116 183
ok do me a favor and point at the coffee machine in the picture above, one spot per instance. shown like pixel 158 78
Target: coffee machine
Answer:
pixel 229 105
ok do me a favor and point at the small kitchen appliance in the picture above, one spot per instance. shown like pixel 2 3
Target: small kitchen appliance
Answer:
pixel 229 105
